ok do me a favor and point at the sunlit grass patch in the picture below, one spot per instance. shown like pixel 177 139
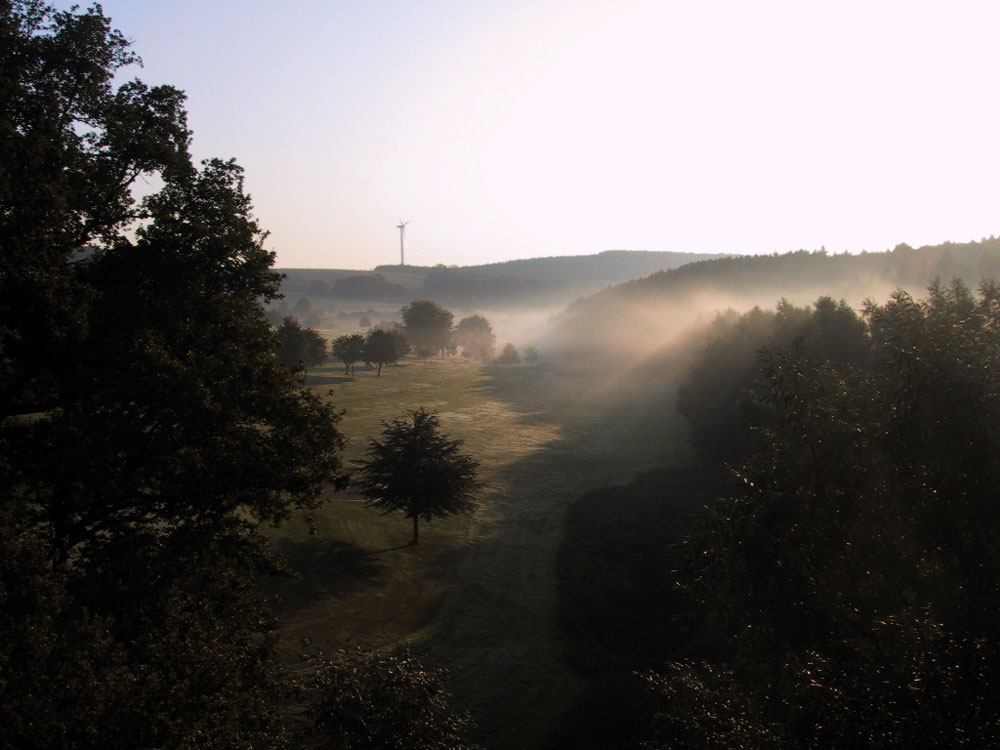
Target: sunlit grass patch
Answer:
pixel 359 577
pixel 479 593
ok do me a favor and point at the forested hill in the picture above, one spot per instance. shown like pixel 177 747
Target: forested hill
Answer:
pixel 534 281
pixel 671 298
pixel 608 267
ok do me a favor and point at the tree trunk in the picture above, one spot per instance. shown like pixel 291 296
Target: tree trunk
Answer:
pixel 379 370
pixel 416 530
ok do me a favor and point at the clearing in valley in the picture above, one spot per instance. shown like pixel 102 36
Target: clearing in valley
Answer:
pixel 478 595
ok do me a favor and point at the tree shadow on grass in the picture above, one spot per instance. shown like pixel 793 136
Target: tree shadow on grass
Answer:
pixel 325 567
pixel 610 432
pixel 619 611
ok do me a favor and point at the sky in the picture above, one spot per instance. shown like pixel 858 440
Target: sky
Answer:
pixel 515 128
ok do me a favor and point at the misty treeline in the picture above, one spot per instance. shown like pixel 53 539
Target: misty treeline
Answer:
pixel 149 432
pixel 425 329
pixel 718 396
pixel 848 593
pixel 544 281
pixel 528 282
pixel 838 273
pixel 627 320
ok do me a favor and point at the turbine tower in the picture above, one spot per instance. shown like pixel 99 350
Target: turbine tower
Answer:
pixel 402 232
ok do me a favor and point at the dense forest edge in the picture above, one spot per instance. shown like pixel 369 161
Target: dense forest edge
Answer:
pixel 628 319
pixel 842 592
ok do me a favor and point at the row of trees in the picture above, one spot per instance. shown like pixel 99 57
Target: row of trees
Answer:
pixel 428 328
pixel 300 348
pixel 380 347
pixel 854 576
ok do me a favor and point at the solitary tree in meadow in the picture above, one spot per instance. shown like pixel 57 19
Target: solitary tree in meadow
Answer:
pixel 428 325
pixel 530 355
pixel 384 346
pixel 509 356
pixel 170 438
pixel 417 470
pixel 475 335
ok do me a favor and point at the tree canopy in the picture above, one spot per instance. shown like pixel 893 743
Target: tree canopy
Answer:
pixel 147 430
pixel 855 571
pixel 717 397
pixel 299 347
pixel 509 356
pixel 475 335
pixel 427 325
pixel 384 346
pixel 374 701
pixel 349 349
pixel 417 470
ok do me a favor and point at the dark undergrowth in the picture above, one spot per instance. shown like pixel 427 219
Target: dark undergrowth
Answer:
pixel 619 611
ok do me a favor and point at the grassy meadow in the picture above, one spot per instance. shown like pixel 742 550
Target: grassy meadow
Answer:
pixel 481 593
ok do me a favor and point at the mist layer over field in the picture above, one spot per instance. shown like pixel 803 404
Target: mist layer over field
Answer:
pixel 631 321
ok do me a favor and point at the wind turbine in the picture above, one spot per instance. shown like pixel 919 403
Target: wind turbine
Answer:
pixel 402 232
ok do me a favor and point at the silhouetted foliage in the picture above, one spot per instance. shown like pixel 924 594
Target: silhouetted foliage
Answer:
pixel 300 348
pixel 475 335
pixel 373 701
pixel 349 349
pixel 417 470
pixel 384 346
pixel 509 356
pixel 855 573
pixel 717 395
pixel 427 325
pixel 146 429
pixel 530 355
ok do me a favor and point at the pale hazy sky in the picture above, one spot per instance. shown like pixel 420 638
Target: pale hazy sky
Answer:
pixel 517 128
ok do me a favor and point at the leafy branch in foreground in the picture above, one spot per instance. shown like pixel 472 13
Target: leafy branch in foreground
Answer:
pixel 147 432
pixel 374 701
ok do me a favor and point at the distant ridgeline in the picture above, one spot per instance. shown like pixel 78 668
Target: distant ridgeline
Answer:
pixel 537 281
pixel 675 297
